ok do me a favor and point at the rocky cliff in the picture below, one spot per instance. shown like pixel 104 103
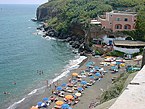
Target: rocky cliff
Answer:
pixel 46 11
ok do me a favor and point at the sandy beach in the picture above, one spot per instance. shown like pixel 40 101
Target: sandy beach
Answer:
pixel 90 95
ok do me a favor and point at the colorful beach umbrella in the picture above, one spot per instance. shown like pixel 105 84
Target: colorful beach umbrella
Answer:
pixel 68 97
pixel 65 106
pixel 59 88
pixel 33 107
pixel 84 82
pixel 80 89
pixel 39 104
pixel 96 67
pixel 118 62
pixel 98 74
pixel 92 71
pixel 92 77
pixel 74 74
pixel 78 94
pixel 45 99
pixel 64 85
pixel 59 103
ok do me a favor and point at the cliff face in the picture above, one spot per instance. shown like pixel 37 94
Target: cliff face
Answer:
pixel 45 12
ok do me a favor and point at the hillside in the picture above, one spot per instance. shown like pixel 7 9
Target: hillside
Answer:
pixel 62 13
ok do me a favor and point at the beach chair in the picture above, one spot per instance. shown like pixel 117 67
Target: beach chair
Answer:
pixel 89 84
pixel 57 107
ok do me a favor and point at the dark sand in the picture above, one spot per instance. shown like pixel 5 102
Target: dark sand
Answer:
pixel 91 94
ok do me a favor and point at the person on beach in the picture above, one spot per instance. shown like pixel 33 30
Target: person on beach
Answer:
pixel 47 83
pixel 52 91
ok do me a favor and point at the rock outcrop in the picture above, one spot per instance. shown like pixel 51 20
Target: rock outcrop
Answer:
pixel 45 12
pixel 75 35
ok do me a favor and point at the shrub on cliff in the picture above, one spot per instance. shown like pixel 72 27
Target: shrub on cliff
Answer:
pixel 66 12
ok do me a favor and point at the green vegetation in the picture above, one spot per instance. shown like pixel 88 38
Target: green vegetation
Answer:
pixel 116 89
pixel 75 11
pixel 68 12
pixel 126 3
pixel 115 53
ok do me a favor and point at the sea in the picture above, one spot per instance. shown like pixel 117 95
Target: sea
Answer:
pixel 25 54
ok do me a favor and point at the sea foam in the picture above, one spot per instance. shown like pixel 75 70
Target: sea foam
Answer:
pixel 73 64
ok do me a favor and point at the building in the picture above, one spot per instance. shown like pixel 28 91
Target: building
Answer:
pixel 118 21
pixel 128 46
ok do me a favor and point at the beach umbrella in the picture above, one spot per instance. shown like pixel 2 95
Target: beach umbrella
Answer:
pixel 65 106
pixel 91 71
pixel 45 99
pixel 84 82
pixel 64 85
pixel 118 62
pixel 39 104
pixel 96 67
pixel 80 89
pixel 59 88
pixel 78 94
pixel 68 97
pixel 59 103
pixel 98 74
pixel 33 107
pixel 92 77
pixel 74 74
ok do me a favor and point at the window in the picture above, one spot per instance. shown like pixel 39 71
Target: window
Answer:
pixel 126 19
pixel 127 26
pixel 118 19
pixel 118 26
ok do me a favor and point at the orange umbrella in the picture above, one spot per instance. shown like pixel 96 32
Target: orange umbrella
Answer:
pixel 59 103
pixel 33 107
pixel 74 74
pixel 68 97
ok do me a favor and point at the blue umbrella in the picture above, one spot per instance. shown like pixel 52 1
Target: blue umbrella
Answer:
pixel 96 67
pixel 64 85
pixel 88 65
pixel 39 104
pixel 92 77
pixel 118 62
pixel 92 71
pixel 59 88
pixel 80 89
pixel 65 106
pixel 45 99
pixel 98 74
pixel 83 82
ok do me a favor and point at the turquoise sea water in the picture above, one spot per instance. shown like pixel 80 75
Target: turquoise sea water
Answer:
pixel 22 53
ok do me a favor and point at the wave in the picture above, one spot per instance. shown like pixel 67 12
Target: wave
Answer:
pixel 13 106
pixel 50 38
pixel 73 64
pixel 34 91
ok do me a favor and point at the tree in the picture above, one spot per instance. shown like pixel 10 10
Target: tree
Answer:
pixel 140 25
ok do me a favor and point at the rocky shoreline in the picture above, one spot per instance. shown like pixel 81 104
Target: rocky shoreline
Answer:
pixel 77 42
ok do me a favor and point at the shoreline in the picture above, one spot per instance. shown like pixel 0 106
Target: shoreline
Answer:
pixel 92 94
pixel 43 91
